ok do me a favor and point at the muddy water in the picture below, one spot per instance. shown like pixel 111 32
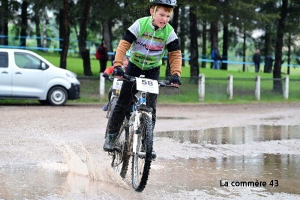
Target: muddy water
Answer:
pixel 200 164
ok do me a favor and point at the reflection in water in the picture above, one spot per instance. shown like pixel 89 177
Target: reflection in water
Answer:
pixel 206 174
pixel 22 182
pixel 234 135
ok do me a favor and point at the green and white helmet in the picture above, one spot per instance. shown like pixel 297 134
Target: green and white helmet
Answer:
pixel 169 3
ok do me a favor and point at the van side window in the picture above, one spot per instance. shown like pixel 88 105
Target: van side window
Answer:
pixel 3 59
pixel 27 61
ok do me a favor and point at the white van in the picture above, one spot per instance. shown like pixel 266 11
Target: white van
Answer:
pixel 26 75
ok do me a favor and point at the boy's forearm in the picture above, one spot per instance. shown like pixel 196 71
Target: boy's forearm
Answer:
pixel 121 52
pixel 175 59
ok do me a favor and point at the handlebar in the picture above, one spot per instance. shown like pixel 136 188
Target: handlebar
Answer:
pixel 109 78
pixel 161 83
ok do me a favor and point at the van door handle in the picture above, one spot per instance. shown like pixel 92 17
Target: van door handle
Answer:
pixel 18 73
pixel 4 72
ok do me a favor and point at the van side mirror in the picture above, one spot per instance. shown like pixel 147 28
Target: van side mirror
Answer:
pixel 43 66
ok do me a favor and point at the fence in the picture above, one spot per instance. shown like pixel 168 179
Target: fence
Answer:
pixel 230 86
pixel 207 89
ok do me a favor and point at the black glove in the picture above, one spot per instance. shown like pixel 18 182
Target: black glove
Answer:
pixel 105 75
pixel 118 71
pixel 175 79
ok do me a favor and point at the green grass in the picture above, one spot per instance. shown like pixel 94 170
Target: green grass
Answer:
pixel 215 84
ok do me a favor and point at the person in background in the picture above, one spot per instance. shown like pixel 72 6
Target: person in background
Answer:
pixel 256 60
pixel 148 38
pixel 268 63
pixel 215 55
pixel 110 71
pixel 102 49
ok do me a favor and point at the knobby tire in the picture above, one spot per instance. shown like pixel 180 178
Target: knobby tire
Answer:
pixel 126 149
pixel 141 164
pixel 110 110
pixel 120 157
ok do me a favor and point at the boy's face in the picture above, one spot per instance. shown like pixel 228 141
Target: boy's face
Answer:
pixel 161 17
pixel 125 62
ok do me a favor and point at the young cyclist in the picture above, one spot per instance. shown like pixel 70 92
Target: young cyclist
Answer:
pixel 148 38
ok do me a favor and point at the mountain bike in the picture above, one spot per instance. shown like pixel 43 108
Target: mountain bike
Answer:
pixel 135 138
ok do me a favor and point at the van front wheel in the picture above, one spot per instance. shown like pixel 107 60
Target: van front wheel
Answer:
pixel 57 96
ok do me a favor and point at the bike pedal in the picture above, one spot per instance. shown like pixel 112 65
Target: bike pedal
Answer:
pixel 118 149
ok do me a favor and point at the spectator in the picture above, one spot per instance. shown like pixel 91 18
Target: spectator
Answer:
pixel 102 49
pixel 256 60
pixel 268 63
pixel 216 57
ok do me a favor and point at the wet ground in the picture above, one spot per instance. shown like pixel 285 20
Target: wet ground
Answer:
pixel 208 152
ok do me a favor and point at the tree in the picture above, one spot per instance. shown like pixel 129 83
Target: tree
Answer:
pixel 66 35
pixel 84 52
pixel 4 17
pixel 24 24
pixel 277 83
pixel 194 45
pixel 39 9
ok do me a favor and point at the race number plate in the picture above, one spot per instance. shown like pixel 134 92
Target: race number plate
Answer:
pixel 147 85
pixel 117 84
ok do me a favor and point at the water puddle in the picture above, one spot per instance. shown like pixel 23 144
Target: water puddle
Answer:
pixel 199 164
pixel 234 135
pixel 280 172
pixel 172 118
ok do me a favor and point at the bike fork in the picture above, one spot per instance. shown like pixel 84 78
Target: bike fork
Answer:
pixel 136 125
pixel 136 131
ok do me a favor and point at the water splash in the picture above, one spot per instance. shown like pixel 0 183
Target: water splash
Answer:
pixel 80 162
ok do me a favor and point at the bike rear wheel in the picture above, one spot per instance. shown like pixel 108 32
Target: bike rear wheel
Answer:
pixel 110 110
pixel 141 160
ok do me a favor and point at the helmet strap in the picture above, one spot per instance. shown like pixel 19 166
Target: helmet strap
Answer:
pixel 154 12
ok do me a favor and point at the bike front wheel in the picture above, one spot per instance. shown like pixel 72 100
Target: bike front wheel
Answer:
pixel 141 160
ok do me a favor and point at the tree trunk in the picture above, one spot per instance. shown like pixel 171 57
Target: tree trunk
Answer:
pixel 84 52
pixel 289 52
pixel 277 83
pixel 244 47
pixel 214 36
pixel 83 24
pixel 204 38
pixel 24 24
pixel 38 30
pixel 106 34
pixel 224 65
pixel 44 43
pixel 61 30
pixel 125 16
pixel 66 35
pixel 4 23
pixel 267 40
pixel 182 33
pixel 194 46
pixel 86 62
